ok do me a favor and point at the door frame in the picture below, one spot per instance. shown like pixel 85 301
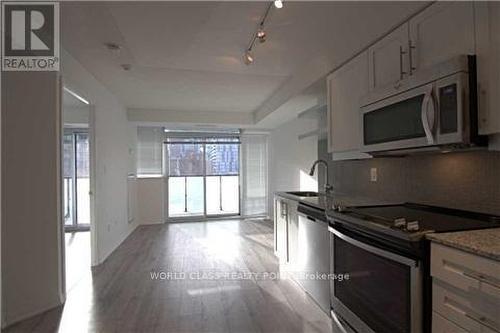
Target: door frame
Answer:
pixel 94 259
pixel 92 189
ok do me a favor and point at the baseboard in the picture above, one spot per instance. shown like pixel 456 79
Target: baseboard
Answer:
pixel 31 314
pixel 101 261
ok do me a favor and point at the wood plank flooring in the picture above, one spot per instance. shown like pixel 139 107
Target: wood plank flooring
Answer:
pixel 121 296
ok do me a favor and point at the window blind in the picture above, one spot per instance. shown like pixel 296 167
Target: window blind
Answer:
pixel 149 150
pixel 254 174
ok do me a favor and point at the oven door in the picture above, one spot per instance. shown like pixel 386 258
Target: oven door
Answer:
pixel 383 292
pixel 404 121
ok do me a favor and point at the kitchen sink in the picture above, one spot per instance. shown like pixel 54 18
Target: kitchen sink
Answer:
pixel 304 193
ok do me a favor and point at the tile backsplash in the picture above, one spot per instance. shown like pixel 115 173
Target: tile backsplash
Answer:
pixel 463 180
pixel 469 180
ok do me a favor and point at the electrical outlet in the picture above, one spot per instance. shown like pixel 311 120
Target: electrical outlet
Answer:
pixel 373 174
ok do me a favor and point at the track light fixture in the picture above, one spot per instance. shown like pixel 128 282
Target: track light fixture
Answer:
pixel 260 34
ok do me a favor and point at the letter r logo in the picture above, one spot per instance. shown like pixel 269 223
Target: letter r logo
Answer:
pixel 29 30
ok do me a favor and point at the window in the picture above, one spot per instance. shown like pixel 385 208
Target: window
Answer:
pixel 149 151
pixel 254 174
pixel 203 174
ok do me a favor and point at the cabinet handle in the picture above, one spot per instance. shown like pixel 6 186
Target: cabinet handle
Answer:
pixel 283 209
pixel 411 47
pixel 401 71
pixel 480 106
pixel 483 321
pixel 482 278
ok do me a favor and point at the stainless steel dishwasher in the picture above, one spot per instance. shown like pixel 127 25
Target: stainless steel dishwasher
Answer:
pixel 314 255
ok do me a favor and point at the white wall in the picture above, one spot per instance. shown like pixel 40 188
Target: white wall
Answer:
pixel 290 159
pixel 73 115
pixel 150 200
pixel 114 155
pixel 31 209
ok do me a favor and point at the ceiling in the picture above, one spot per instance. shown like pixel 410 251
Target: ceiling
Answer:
pixel 187 56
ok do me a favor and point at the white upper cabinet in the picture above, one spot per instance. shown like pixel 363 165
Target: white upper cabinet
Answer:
pixel 488 65
pixel 345 88
pixel 388 63
pixel 439 33
pixel 442 31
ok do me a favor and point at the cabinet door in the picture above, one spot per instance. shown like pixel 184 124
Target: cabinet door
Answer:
pixel 281 229
pixel 293 235
pixel 442 31
pixel 388 62
pixel 487 16
pixel 443 325
pixel 345 88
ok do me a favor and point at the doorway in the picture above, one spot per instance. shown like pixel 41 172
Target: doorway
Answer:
pixel 77 186
pixel 203 177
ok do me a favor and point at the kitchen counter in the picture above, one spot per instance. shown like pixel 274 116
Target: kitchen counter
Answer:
pixel 323 202
pixel 320 202
pixel 484 242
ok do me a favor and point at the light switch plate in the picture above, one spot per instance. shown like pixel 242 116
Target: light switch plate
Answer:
pixel 373 174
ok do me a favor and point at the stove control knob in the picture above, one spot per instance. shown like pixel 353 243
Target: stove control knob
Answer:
pixel 412 226
pixel 400 222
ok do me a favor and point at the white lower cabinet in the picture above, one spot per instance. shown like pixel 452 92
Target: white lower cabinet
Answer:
pixel 465 291
pixel 280 228
pixel 441 324
pixel 286 232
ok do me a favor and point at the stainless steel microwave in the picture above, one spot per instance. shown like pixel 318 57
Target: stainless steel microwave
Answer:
pixel 434 109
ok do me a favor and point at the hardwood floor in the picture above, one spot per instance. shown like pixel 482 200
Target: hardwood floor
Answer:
pixel 77 258
pixel 121 295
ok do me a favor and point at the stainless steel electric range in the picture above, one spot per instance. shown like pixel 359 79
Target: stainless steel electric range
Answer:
pixel 383 256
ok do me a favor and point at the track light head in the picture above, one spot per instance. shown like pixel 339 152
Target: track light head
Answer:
pixel 248 57
pixel 278 4
pixel 261 35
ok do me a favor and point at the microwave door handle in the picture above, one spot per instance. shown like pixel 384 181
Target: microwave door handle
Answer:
pixel 428 116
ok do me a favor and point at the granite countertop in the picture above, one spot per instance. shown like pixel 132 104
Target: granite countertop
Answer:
pixel 484 242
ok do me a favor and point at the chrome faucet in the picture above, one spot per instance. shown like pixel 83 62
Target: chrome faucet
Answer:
pixel 328 187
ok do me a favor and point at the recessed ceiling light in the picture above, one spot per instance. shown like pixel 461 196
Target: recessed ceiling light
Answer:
pixel 278 3
pixel 248 57
pixel 126 67
pixel 112 46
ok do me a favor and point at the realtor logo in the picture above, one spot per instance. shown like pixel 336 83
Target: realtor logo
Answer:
pixel 30 40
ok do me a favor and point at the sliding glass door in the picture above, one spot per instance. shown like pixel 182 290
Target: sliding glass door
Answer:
pixel 222 178
pixel 203 177
pixel 185 180
pixel 76 179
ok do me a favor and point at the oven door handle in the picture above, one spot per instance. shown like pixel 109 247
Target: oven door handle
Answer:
pixel 375 250
pixel 428 115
